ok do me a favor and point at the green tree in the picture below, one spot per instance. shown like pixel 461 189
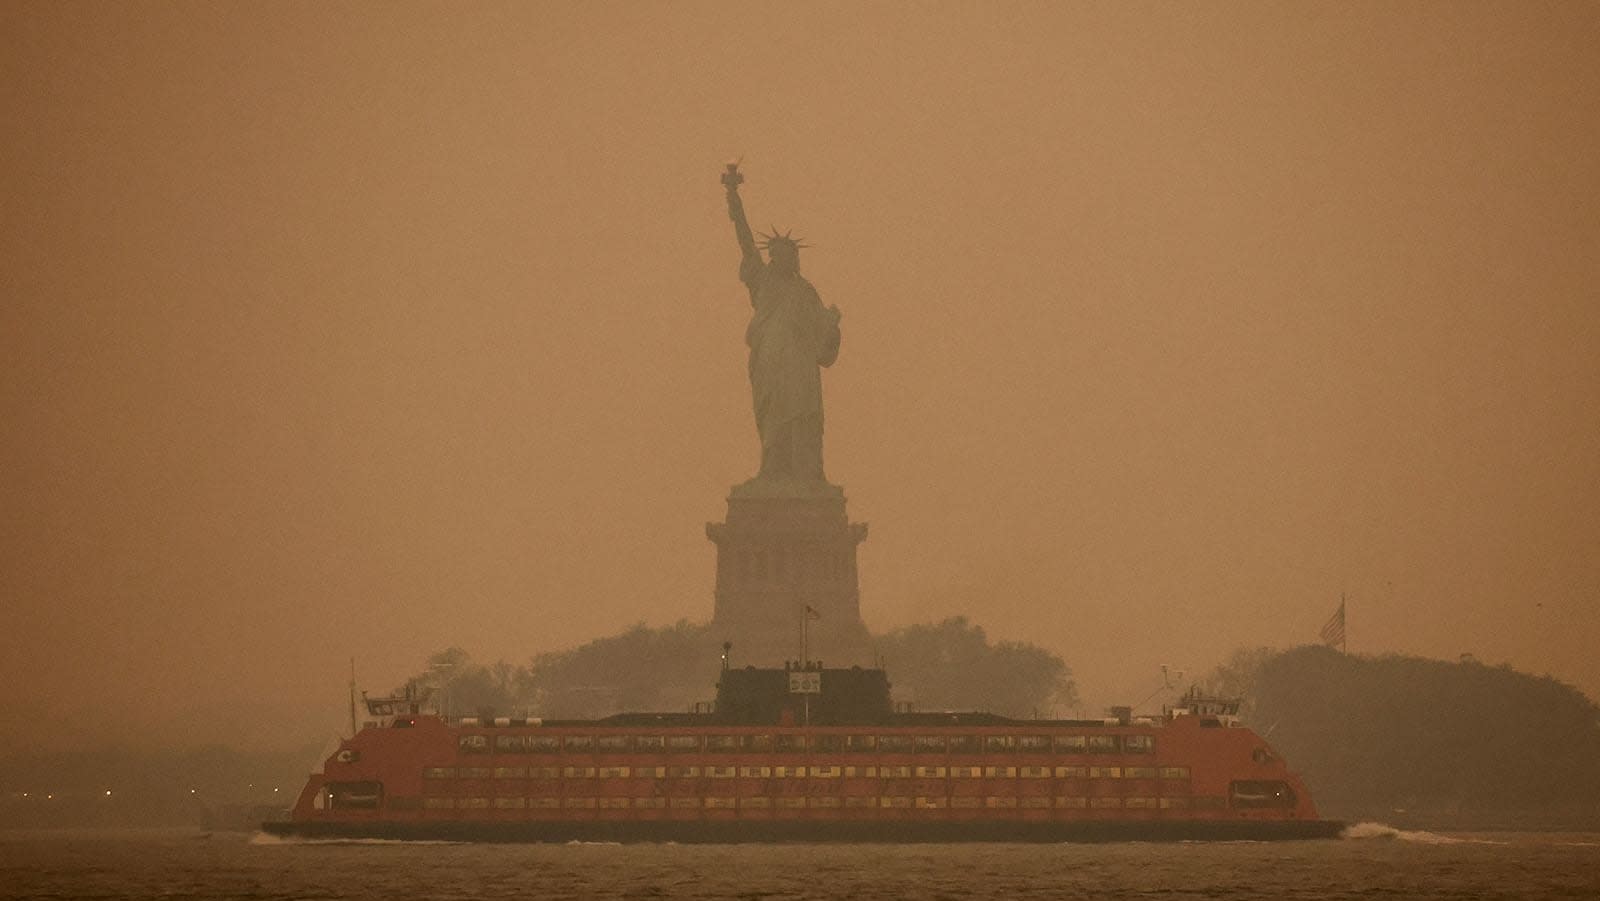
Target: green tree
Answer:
pixel 952 665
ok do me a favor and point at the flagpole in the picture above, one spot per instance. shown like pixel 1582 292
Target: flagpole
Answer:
pixel 1344 628
pixel 805 620
pixel 805 699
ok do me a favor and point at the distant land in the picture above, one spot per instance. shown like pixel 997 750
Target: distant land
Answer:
pixel 1425 743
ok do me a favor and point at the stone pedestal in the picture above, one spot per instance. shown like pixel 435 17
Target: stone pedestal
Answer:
pixel 780 551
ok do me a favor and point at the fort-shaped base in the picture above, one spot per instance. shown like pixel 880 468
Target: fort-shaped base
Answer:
pixel 786 547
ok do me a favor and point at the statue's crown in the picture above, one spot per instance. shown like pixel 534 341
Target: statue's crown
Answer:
pixel 787 238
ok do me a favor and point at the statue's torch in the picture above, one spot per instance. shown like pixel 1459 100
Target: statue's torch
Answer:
pixel 732 178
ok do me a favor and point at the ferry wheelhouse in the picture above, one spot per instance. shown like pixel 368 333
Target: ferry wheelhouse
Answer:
pixel 805 753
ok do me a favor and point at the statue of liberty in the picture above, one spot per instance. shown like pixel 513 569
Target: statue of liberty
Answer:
pixel 790 336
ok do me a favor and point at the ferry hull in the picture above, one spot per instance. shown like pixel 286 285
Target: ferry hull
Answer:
pixel 730 832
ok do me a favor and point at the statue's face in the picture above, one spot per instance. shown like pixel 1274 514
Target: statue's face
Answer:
pixel 784 258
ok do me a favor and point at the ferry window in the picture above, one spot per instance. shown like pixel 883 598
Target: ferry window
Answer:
pixel 544 772
pixel 1105 772
pixel 860 742
pixel 1139 772
pixel 683 744
pixel 1070 744
pixel 965 744
pixel 894 744
pixel 510 772
pixel 1102 744
pixel 474 744
pixel 475 772
pixel 1260 793
pixel 649 742
pixel 354 795
pixel 722 743
pixel 541 744
pixel 1033 744
pixel 612 743
pixel 789 743
pixel 1105 803
pixel 1139 744
pixel 1072 772
pixel 1141 803
pixel 999 742
pixel 929 744
pixel 579 743
pixel 757 744
pixel 828 744
pixel 1174 772
pixel 1174 803
pixel 438 772
pixel 508 744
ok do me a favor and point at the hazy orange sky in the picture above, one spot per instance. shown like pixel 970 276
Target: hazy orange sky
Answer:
pixel 370 329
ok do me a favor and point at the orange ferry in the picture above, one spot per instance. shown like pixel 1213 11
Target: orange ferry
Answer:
pixel 805 753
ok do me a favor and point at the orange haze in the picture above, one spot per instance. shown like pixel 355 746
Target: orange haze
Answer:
pixel 364 329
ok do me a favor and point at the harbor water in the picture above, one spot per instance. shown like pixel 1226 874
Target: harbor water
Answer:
pixel 1371 860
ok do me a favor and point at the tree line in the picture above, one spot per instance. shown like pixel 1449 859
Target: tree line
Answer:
pixel 1388 736
pixel 951 665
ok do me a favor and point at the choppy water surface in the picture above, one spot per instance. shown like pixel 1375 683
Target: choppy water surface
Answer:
pixel 1372 860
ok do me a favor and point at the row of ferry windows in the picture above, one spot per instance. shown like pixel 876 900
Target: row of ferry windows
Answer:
pixel 807 772
pixel 736 744
pixel 1059 801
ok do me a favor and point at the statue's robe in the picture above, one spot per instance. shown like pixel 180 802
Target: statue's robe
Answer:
pixel 790 335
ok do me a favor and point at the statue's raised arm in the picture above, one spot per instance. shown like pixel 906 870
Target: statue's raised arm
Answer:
pixel 750 256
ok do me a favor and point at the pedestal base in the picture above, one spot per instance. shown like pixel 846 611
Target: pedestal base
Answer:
pixel 786 547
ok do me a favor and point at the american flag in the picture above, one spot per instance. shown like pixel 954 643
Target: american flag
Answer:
pixel 1333 630
pixel 811 613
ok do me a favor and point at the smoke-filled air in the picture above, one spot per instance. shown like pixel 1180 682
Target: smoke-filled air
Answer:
pixel 553 359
